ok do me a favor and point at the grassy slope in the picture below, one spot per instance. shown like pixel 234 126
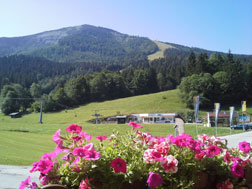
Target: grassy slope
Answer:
pixel 24 140
pixel 160 52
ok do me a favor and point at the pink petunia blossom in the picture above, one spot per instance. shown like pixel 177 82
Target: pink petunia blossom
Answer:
pixel 79 151
pixel 76 138
pixel 72 128
pixel 243 161
pixel 204 138
pixel 101 138
pixel 199 155
pixel 49 156
pixel 152 142
pixel 151 156
pixel 85 184
pixel 213 150
pixel 34 185
pixel 76 161
pixel 25 183
pixel 227 157
pixel 135 125
pixel 92 155
pixel 225 185
pixel 43 166
pixel 85 136
pixel 57 138
pixel 88 146
pixel 61 149
pixel 237 170
pixel 244 147
pixel 170 164
pixel 119 165
pixel 162 148
pixel 154 180
pixel 76 169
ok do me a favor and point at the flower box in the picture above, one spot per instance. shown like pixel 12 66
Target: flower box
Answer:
pixel 140 160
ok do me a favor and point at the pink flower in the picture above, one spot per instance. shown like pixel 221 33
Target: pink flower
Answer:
pixel 169 163
pixel 162 148
pixel 101 138
pixel 151 156
pixel 119 165
pixel 225 185
pixel 44 166
pixel 227 157
pixel 25 183
pixel 79 151
pixel 244 147
pixel 85 184
pixel 154 180
pixel 135 125
pixel 60 149
pixel 72 128
pixel 85 136
pixel 200 155
pixel 92 155
pixel 88 146
pixel 76 169
pixel 76 138
pixel 49 156
pixel 34 185
pixel 213 150
pixel 76 161
pixel 57 138
pixel 204 138
pixel 237 170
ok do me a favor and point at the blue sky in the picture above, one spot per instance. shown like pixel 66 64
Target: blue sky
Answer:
pixel 210 24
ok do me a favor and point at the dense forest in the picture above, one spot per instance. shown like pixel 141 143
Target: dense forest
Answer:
pixel 216 78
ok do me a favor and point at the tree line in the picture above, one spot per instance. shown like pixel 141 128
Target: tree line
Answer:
pixel 216 78
pixel 82 89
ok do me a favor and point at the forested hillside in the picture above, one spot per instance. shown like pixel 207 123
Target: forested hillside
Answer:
pixel 90 64
pixel 79 44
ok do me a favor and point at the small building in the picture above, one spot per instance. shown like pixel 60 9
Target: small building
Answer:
pixel 155 117
pixel 223 119
pixel 121 119
pixel 15 115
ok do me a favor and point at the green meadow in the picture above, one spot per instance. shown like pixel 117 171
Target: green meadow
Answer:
pixel 24 140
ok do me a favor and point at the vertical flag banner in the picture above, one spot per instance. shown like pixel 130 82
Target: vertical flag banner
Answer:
pixel 217 110
pixel 231 109
pixel 244 108
pixel 196 100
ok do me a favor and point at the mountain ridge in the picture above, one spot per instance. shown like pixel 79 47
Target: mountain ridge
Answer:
pixel 87 43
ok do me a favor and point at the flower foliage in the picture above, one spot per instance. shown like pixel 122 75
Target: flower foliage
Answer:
pixel 140 158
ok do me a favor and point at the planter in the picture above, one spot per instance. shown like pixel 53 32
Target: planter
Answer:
pixel 204 182
pixel 53 186
pixel 135 185
pixel 248 177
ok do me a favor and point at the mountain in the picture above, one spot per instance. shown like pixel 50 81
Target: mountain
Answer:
pixel 88 43
pixel 84 43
